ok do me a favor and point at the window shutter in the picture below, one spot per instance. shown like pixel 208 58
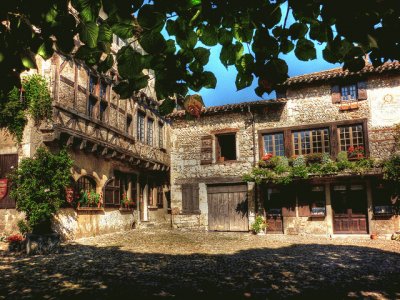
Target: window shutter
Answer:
pixel 190 198
pixel 206 150
pixel 362 90
pixel 335 92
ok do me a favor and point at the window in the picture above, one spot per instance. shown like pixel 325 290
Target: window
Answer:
pixel 312 201
pixel 103 90
pixel 160 135
pixel 128 124
pixel 112 193
pixel 348 92
pixel 190 199
pixel 91 106
pixel 311 141
pixel 140 127
pixel 92 84
pixel 103 110
pixel 150 123
pixel 86 184
pixel 226 146
pixel 385 199
pixel 273 143
pixel 350 136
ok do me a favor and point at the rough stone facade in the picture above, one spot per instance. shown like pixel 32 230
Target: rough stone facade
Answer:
pixel 304 105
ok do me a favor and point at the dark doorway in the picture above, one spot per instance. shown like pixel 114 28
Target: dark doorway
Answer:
pixel 349 203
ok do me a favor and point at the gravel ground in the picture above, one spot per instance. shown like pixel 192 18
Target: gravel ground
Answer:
pixel 147 264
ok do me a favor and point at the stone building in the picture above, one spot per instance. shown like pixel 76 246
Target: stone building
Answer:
pixel 119 148
pixel 323 112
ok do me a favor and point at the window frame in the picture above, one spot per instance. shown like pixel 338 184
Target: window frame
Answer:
pixel 333 132
pixel 218 149
pixel 150 132
pixel 140 126
pixel 311 141
pixel 87 181
pixel 351 137
pixel 274 143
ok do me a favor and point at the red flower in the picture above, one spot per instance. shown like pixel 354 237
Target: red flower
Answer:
pixel 351 149
pixel 15 238
pixel 267 156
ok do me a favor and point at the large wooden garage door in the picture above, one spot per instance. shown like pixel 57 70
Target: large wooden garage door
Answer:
pixel 227 208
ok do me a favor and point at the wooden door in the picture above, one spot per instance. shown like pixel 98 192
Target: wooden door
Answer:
pixel 8 163
pixel 349 205
pixel 227 208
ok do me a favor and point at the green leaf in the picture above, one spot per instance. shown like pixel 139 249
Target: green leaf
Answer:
pixel 91 56
pixel 188 40
pixel 88 9
pixel 28 60
pixel 153 42
pixel 167 106
pixel 245 64
pixel 243 80
pixel 171 27
pixel 46 49
pixel 209 80
pixel 286 46
pixel 149 18
pixel 298 30
pixel 242 34
pixel 230 54
pixel 170 48
pixel 319 32
pixel 130 62
pixel 105 33
pixel 305 50
pixel 106 64
pixel 202 55
pixel 225 37
pixel 124 30
pixel 208 35
pixel 89 33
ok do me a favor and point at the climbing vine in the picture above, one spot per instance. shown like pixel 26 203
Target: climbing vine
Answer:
pixel 33 100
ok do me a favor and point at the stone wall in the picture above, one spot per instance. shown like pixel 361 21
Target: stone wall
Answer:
pixel 306 105
pixel 8 221
pixel 72 224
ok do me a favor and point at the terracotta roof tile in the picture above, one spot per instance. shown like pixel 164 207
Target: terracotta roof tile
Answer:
pixel 228 107
pixel 340 73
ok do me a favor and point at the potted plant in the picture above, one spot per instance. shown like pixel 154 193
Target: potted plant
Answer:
pixel 259 225
pixel 355 153
pixel 15 242
pixel 125 200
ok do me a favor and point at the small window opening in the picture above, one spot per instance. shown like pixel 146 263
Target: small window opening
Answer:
pixel 226 147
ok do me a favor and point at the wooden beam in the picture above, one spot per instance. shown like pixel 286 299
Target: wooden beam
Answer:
pixel 104 152
pixel 114 154
pixel 122 157
pixel 83 145
pixel 94 148
pixel 70 141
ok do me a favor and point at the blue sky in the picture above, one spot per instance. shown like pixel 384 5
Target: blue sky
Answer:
pixel 225 92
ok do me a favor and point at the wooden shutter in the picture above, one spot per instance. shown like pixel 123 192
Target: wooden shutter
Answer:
pixel 206 150
pixel 190 198
pixel 362 90
pixel 335 92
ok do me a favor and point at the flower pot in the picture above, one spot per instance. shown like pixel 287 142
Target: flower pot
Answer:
pixel 374 236
pixel 354 105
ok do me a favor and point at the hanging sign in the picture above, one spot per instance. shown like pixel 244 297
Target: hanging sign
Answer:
pixel 3 188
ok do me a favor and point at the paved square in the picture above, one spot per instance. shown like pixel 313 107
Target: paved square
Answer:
pixel 199 265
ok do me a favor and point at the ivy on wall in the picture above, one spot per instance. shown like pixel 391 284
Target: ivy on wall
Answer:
pixel 33 100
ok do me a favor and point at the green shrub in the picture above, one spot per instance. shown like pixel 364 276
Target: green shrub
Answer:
pixel 343 161
pixel 391 169
pixel 259 224
pixel 314 158
pixel 39 187
pixel 23 227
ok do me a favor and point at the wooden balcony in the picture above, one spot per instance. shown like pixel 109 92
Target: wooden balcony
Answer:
pixel 71 128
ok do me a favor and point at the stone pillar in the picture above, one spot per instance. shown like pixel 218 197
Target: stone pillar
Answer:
pixel 145 201
pixel 251 201
pixel 369 205
pixel 329 212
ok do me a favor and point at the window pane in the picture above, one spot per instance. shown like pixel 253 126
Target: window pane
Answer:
pixel 273 143
pixel 351 136
pixel 311 141
pixel 150 132
pixel 140 127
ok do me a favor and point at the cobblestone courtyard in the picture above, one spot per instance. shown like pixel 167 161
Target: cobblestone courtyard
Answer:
pixel 197 265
